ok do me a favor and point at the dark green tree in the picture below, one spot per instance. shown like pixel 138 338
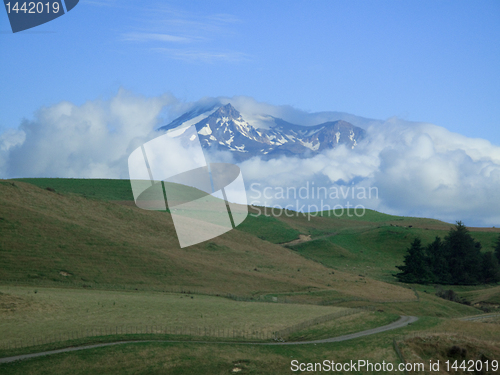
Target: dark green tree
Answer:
pixel 464 256
pixel 437 259
pixel 415 269
pixel 497 249
pixel 490 268
pixel 455 260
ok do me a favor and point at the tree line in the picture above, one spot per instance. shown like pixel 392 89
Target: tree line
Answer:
pixel 455 260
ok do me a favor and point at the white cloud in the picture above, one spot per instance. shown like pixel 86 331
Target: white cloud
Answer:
pixel 252 111
pixel 414 168
pixel 91 140
pixel 145 37
pixel 8 141
pixel 418 169
pixel 200 55
pixel 161 23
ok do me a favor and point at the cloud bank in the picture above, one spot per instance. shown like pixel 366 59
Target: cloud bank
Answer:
pixel 412 169
pixel 91 140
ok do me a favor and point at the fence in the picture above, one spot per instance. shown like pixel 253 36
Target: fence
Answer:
pixel 212 332
pixel 400 355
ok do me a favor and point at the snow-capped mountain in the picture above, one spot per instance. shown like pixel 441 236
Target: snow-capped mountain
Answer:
pixel 225 129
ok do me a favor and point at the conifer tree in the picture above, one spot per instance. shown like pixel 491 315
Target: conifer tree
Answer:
pixel 490 268
pixel 464 256
pixel 455 260
pixel 415 269
pixel 497 249
pixel 437 258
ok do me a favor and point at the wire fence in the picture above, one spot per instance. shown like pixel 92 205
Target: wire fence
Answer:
pixel 399 354
pixel 160 330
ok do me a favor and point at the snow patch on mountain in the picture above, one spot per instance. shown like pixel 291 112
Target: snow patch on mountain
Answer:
pixel 205 130
pixel 225 129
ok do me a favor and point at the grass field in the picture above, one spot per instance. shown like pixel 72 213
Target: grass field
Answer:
pixel 189 358
pixel 268 228
pixel 488 295
pixel 25 314
pixel 344 326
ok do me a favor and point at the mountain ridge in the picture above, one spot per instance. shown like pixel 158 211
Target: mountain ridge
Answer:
pixel 225 129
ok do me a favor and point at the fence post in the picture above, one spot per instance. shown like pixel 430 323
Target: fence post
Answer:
pixel 399 354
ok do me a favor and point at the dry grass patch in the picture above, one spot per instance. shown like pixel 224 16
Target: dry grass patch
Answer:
pixel 492 320
pixel 491 294
pixel 451 348
pixel 67 310
pixel 474 329
pixel 191 358
pixel 157 359
pixel 344 325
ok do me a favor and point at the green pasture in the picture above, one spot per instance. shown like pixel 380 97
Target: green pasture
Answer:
pixel 27 312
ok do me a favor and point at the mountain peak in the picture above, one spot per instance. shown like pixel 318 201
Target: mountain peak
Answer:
pixel 227 111
pixel 225 129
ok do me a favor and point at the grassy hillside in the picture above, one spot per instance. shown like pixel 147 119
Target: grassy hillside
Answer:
pixel 64 239
pixel 109 190
pixel 79 235
pixel 375 243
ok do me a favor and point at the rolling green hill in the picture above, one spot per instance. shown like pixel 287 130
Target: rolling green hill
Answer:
pixel 56 238
pixel 109 190
pixel 89 233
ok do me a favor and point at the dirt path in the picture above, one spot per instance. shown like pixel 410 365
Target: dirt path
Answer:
pixel 403 321
pixel 305 238
pixel 480 317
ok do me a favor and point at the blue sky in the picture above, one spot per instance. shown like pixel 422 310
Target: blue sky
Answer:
pixel 93 85
pixel 433 61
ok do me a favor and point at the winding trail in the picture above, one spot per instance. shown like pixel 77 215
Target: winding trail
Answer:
pixel 480 317
pixel 403 321
pixel 306 238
